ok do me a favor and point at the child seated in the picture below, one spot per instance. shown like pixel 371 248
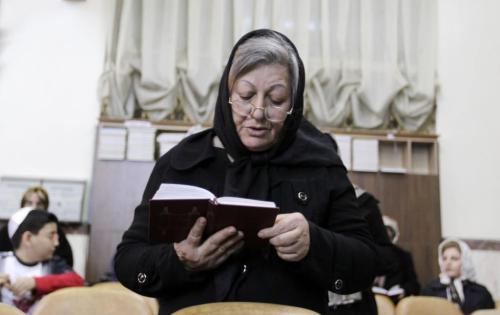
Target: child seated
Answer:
pixel 32 270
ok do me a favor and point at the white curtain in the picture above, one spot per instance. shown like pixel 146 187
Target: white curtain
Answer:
pixel 368 62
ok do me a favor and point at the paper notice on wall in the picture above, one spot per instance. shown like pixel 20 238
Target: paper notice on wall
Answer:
pixel 344 149
pixel 365 155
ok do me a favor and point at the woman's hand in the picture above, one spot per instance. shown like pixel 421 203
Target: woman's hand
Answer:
pixel 289 235
pixel 197 256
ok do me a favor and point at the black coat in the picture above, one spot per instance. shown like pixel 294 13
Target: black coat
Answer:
pixel 340 259
pixel 476 296
pixel 404 274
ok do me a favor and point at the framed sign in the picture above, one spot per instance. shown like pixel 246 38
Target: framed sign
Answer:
pixel 11 192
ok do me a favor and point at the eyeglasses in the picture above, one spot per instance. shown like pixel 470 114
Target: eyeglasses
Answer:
pixel 272 112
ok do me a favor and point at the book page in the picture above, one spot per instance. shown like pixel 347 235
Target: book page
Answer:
pixel 394 291
pixel 245 202
pixel 179 191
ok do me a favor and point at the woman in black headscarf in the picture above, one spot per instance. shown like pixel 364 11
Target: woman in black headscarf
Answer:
pixel 260 148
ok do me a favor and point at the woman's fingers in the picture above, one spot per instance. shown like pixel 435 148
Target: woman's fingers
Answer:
pixel 212 252
pixel 289 236
pixel 196 232
pixel 235 247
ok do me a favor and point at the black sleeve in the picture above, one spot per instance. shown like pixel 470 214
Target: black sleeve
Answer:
pixel 410 283
pixel 386 260
pixel 5 244
pixel 151 270
pixel 487 300
pixel 369 205
pixel 434 288
pixel 64 249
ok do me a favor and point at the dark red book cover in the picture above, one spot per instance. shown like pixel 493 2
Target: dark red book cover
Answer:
pixel 170 220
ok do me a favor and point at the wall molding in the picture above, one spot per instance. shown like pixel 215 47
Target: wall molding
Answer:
pixel 477 244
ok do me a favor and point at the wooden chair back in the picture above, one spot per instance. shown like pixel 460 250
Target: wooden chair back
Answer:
pixel 115 285
pixel 243 308
pixel 87 300
pixel 6 309
pixel 487 312
pixel 426 305
pixel 385 306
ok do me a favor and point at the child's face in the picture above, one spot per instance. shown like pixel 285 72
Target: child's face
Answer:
pixel 45 242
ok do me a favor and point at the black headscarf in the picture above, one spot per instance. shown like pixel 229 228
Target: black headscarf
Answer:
pixel 299 144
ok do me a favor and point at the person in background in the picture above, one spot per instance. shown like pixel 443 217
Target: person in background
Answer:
pixel 401 281
pixel 456 281
pixel 32 270
pixel 262 148
pixel 37 198
pixel 363 302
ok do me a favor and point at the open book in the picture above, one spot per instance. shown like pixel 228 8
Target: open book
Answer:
pixel 393 291
pixel 174 209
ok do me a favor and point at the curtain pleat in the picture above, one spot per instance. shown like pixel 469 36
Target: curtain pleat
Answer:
pixel 368 63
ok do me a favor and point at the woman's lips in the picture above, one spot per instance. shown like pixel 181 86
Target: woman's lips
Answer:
pixel 257 131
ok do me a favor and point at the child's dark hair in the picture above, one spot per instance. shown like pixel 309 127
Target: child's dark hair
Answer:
pixel 34 222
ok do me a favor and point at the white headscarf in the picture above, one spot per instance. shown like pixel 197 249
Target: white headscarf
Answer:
pixel 467 272
pixel 392 224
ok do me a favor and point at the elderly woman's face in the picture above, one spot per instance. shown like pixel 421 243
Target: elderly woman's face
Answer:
pixel 265 86
pixel 452 262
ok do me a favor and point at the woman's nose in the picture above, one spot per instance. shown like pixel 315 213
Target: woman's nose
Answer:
pixel 258 109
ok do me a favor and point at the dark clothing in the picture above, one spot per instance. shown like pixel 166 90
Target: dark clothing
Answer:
pixel 404 274
pixel 476 296
pixel 340 243
pixel 63 250
pixel 301 173
pixel 368 206
pixel 394 263
pixel 369 209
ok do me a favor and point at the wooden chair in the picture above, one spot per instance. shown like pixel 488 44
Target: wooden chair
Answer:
pixel 497 303
pixel 115 285
pixel 6 309
pixel 243 308
pixel 487 312
pixel 426 305
pixel 87 300
pixel 385 306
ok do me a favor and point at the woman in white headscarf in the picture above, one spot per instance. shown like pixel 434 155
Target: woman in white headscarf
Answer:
pixel 456 281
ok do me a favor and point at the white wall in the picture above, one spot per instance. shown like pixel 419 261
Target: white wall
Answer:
pixel 51 55
pixel 468 117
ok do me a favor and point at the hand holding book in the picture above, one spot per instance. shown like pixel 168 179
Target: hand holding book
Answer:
pixel 198 255
pixel 174 209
